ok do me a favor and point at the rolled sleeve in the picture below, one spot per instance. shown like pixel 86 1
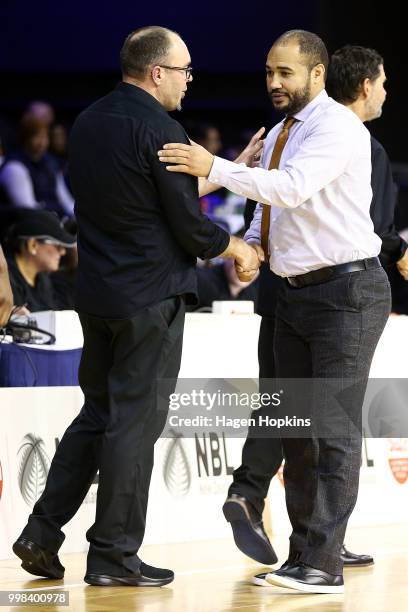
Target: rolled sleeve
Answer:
pixel 253 234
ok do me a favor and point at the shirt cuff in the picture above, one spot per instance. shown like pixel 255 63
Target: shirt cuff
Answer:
pixel 221 170
pixel 252 237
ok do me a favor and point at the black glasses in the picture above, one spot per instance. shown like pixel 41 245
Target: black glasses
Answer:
pixel 187 70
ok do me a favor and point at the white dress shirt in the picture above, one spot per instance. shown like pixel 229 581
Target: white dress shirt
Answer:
pixel 320 195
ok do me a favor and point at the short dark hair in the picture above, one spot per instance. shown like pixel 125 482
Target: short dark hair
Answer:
pixel 310 45
pixel 349 67
pixel 143 48
pixel 13 245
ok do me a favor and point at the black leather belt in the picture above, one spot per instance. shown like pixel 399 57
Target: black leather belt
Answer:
pixel 325 274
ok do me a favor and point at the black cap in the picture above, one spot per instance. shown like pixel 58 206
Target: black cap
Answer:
pixel 43 225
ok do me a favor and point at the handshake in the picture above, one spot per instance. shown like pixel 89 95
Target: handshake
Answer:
pixel 248 257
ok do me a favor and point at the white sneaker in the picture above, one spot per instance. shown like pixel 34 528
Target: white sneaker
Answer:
pixel 306 579
pixel 260 580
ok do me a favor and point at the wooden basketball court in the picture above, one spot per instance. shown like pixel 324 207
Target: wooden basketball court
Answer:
pixel 215 577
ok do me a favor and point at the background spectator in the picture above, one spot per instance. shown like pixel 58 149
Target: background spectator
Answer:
pixel 30 177
pixel 59 149
pixel 41 110
pixel 35 245
pixel 64 279
pixel 220 282
pixel 206 135
pixel 6 301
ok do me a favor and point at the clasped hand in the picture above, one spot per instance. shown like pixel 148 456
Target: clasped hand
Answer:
pixel 247 264
pixel 402 265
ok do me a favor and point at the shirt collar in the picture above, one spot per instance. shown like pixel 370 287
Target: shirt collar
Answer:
pixel 305 113
pixel 139 94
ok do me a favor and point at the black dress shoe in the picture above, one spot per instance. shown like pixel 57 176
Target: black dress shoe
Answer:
pixel 260 579
pixel 37 560
pixel 147 576
pixel 306 579
pixel 352 560
pixel 248 530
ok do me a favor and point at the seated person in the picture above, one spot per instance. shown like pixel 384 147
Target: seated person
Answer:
pixel 35 245
pixel 41 110
pixel 6 297
pixel 59 150
pixel 220 282
pixel 64 280
pixel 30 177
pixel 206 135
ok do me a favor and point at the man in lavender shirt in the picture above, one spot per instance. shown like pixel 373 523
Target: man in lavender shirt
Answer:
pixel 335 300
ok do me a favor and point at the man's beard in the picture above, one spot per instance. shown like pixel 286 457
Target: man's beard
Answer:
pixel 298 100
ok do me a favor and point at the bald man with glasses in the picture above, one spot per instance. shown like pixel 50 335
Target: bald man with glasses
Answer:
pixel 140 233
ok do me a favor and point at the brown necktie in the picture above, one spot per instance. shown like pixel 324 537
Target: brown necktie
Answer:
pixel 274 163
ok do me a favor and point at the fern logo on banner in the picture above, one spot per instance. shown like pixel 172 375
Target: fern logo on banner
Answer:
pixel 33 468
pixel 176 468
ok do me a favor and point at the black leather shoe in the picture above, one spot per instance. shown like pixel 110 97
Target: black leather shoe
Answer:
pixel 248 530
pixel 260 579
pixel 306 579
pixel 352 560
pixel 147 576
pixel 37 560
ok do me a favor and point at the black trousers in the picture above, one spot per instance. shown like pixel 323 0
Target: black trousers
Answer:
pixel 328 330
pixel 114 433
pixel 261 456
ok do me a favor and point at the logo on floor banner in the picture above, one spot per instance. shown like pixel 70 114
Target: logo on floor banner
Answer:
pixel 212 455
pixel 176 468
pixel 33 468
pixel 398 459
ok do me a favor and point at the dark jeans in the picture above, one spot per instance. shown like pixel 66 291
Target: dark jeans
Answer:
pixel 329 330
pixel 114 433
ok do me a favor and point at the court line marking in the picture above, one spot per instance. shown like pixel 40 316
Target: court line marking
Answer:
pixel 227 568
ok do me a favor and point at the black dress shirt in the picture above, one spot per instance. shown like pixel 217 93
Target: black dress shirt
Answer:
pixel 140 229
pixel 382 209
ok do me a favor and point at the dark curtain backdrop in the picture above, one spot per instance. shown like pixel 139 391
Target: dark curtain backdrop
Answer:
pixel 67 53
